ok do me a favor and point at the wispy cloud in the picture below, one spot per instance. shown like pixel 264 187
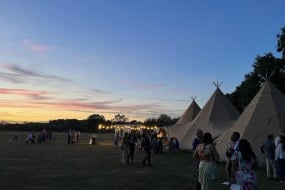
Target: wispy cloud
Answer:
pixel 5 114
pixel 35 95
pixel 35 47
pixel 21 73
pixel 14 78
pixel 166 99
pixel 100 91
pixel 46 100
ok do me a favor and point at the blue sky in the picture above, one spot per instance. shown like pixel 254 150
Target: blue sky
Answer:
pixel 70 58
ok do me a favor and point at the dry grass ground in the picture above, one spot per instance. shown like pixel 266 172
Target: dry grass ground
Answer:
pixel 57 165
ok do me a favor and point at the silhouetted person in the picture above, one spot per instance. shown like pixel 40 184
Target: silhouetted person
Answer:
pixel 146 145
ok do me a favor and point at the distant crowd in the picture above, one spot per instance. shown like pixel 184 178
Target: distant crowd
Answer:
pixel 36 137
pixel 148 141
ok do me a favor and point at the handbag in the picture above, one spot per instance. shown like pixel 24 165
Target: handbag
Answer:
pixel 235 187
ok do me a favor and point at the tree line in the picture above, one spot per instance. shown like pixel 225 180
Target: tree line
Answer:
pixel 91 124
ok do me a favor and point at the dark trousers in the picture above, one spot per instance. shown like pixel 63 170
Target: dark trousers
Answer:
pixel 232 167
pixel 132 151
pixel 280 169
pixel 147 157
pixel 197 185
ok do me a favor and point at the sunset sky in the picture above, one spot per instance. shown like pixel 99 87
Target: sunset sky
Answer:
pixel 64 59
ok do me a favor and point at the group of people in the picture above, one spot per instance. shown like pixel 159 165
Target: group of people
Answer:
pixel 73 136
pixel 37 137
pixel 128 147
pixel 274 149
pixel 241 162
pixel 148 143
pixel 173 144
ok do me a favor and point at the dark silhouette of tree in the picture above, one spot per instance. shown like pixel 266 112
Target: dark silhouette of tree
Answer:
pixel 164 120
pixel 135 122
pixel 65 124
pixel 93 122
pixel 150 122
pixel 120 119
pixel 281 42
pixel 265 67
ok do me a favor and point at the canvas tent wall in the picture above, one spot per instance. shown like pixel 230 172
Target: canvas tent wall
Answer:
pixel 217 115
pixel 178 130
pixel 264 115
pixel 190 113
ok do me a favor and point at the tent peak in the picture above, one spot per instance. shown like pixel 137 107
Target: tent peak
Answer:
pixel 218 84
pixel 266 77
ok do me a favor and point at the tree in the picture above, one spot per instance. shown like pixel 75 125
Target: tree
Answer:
pixel 150 122
pixel 93 122
pixel 265 67
pixel 65 124
pixel 281 42
pixel 164 120
pixel 120 119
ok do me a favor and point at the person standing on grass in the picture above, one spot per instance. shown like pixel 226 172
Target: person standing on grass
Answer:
pixel 116 140
pixel 268 148
pixel 69 136
pixel 125 148
pixel 197 140
pixel 280 158
pixel 78 136
pixel 231 153
pixel 146 145
pixel 207 154
pixel 245 175
pixel 132 142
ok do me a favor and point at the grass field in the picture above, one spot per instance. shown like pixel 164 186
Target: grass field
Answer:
pixel 57 165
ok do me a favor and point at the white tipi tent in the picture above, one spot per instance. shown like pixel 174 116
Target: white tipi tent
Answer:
pixel 190 113
pixel 178 130
pixel 264 115
pixel 217 115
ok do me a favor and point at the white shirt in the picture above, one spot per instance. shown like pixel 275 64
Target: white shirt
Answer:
pixel 277 140
pixel 279 152
pixel 234 145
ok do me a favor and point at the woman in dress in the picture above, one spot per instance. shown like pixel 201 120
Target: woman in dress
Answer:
pixel 208 156
pixel 246 176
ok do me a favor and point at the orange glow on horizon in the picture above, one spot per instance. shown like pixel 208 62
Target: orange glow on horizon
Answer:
pixel 12 115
